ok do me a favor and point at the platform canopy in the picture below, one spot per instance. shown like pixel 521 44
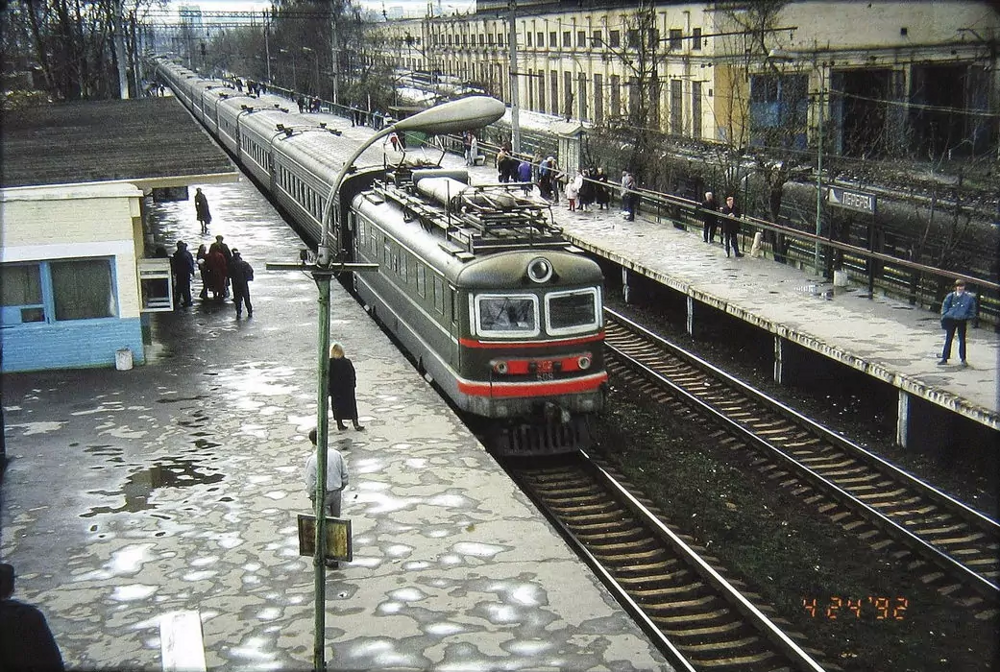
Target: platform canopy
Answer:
pixel 150 142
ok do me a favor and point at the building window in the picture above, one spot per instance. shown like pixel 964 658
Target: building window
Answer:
pixel 596 40
pixel 540 39
pixel 553 42
pixel 633 39
pixel 598 98
pixel 581 38
pixel 653 38
pixel 528 35
pixel 615 38
pixel 696 38
pixel 554 78
pixel 616 96
pixel 50 291
pixel 567 39
pixel 568 92
pixel 582 96
pixel 676 39
pixel 541 90
pixel 676 107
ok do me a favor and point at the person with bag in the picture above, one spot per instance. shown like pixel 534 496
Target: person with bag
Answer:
pixel 956 310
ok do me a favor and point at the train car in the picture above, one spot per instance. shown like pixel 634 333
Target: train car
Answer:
pixel 491 301
pixel 476 282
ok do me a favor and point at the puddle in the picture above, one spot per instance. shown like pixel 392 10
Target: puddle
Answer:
pixel 176 473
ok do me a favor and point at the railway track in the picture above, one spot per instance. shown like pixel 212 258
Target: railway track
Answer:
pixel 696 617
pixel 954 543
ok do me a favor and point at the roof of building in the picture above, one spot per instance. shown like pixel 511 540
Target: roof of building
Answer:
pixel 152 142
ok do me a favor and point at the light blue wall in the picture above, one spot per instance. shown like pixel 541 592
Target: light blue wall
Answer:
pixel 73 344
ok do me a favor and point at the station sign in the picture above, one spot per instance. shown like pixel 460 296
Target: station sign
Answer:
pixel 853 200
pixel 338 537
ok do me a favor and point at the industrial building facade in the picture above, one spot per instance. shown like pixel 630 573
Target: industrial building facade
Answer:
pixel 875 78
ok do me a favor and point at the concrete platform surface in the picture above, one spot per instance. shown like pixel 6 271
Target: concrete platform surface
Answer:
pixel 175 486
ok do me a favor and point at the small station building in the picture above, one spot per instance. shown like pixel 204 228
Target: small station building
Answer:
pixel 77 281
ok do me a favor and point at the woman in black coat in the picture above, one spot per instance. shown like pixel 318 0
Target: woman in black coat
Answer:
pixel 342 383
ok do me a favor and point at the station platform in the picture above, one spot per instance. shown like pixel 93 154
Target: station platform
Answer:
pixel 887 339
pixel 175 486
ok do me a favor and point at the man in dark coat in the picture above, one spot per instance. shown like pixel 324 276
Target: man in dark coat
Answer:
pixel 711 220
pixel 26 643
pixel 731 226
pixel 342 383
pixel 240 274
pixel 182 265
pixel 201 210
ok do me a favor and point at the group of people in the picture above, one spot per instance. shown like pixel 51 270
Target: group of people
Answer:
pixel 588 187
pixel 729 234
pixel 306 103
pixel 219 267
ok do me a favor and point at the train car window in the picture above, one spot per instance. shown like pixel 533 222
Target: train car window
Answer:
pixel 453 295
pixel 421 280
pixel 438 295
pixel 507 315
pixel 572 312
pixel 386 253
pixel 395 259
pixel 402 266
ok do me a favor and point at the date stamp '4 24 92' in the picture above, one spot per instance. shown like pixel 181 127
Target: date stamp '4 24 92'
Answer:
pixel 870 607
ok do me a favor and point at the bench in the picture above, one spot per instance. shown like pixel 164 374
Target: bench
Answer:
pixel 182 647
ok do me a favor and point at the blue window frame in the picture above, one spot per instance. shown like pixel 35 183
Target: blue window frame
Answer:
pixel 46 292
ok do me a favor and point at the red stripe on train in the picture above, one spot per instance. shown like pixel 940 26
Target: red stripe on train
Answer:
pixel 536 389
pixel 493 345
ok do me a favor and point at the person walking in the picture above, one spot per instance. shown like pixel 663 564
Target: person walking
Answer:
pixel 337 478
pixel 241 274
pixel 343 380
pixel 524 175
pixel 710 208
pixel 573 190
pixel 201 210
pixel 585 190
pixel 731 226
pixel 182 265
pixel 956 310
pixel 473 148
pixel 26 642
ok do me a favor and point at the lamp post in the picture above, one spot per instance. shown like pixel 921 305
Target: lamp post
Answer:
pixel 295 76
pixel 452 117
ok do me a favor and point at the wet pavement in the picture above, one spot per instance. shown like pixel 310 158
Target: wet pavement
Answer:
pixel 176 485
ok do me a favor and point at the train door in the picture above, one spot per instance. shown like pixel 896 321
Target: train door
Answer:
pixel 455 326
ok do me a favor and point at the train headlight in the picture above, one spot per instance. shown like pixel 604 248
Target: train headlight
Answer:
pixel 500 367
pixel 583 362
pixel 540 269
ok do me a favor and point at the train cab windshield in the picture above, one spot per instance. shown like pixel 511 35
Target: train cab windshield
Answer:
pixel 572 312
pixel 511 315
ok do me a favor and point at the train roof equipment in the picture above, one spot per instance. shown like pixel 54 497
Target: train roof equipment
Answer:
pixel 471 220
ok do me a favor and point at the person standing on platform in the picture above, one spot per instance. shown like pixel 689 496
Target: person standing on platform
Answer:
pixel 218 273
pixel 601 193
pixel 26 643
pixel 182 265
pixel 241 274
pixel 202 260
pixel 343 380
pixel 956 310
pixel 524 175
pixel 585 190
pixel 731 226
pixel 467 147
pixel 629 196
pixel 711 220
pixel 201 210
pixel 337 479
pixel 228 255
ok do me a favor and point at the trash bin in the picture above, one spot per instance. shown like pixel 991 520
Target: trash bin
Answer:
pixel 123 359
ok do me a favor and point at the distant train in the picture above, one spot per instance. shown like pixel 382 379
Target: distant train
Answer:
pixel 476 282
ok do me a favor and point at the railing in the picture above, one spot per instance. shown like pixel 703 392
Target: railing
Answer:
pixel 917 283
